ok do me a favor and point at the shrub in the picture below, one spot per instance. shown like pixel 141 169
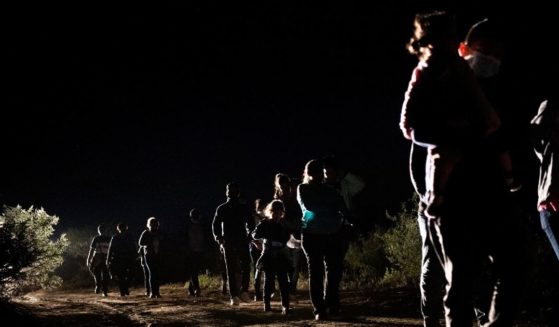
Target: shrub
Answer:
pixel 73 271
pixel 28 255
pixel 387 257
pixel 402 245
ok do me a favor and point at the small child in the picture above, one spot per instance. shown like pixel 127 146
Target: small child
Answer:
pixel 274 260
pixel 444 108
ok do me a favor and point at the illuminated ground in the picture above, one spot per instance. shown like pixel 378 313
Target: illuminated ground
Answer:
pixel 83 308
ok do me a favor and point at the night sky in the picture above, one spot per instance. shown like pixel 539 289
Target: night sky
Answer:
pixel 118 114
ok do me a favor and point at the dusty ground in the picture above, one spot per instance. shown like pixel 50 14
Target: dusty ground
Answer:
pixel 83 308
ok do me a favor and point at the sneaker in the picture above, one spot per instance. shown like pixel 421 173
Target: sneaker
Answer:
pixel 197 292
pixel 97 290
pixel 235 301
pixel 285 311
pixel 245 297
pixel 105 294
pixel 155 296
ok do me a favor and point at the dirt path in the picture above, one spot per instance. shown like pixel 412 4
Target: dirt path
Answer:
pixel 83 308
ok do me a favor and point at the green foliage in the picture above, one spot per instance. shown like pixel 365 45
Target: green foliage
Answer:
pixel 365 262
pixel 389 258
pixel 403 247
pixel 74 271
pixel 28 255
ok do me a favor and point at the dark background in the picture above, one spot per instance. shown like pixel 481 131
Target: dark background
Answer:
pixel 121 113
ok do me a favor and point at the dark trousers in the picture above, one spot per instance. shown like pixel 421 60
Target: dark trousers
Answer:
pixel 269 281
pixel 432 279
pixel 325 255
pixel 146 274
pixel 154 267
pixel 100 273
pixel 295 255
pixel 237 261
pixel 195 265
pixel 254 255
pixel 121 270
pixel 468 238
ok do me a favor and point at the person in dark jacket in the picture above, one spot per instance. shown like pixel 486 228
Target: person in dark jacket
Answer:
pixel 150 242
pixel 323 209
pixel 120 258
pixel 232 224
pixel 197 250
pixel 284 191
pixel 97 260
pixel 256 249
pixel 545 129
pixel 275 258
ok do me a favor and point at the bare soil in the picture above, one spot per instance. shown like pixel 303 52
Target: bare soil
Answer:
pixel 84 308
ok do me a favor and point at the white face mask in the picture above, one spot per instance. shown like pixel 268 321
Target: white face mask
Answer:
pixel 484 66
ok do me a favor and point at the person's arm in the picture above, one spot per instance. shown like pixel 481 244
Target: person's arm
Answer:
pixel 90 254
pixel 110 252
pixel 259 231
pixel 307 198
pixel 143 242
pixel 250 224
pixel 412 100
pixel 217 229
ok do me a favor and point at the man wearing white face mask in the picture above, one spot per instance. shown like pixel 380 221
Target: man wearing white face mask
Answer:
pixel 483 49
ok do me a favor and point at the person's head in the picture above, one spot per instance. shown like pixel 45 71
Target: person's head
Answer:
pixel 275 210
pixel 331 169
pixel 102 229
pixel 152 224
pixel 194 214
pixel 259 206
pixel 121 228
pixel 282 186
pixel 433 32
pixel 232 190
pixel 483 48
pixel 313 172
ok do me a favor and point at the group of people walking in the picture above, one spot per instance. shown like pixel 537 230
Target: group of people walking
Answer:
pixel 271 237
pixel 116 256
pixel 461 168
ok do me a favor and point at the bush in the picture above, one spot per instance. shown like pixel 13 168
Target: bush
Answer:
pixel 28 256
pixel 402 245
pixel 365 262
pixel 73 271
pixel 387 257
